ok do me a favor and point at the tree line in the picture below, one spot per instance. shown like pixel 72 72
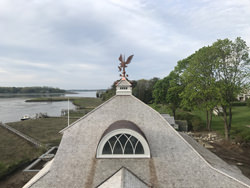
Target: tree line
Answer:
pixel 21 90
pixel 211 78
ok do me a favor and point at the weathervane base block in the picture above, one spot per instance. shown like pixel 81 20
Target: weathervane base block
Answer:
pixel 122 92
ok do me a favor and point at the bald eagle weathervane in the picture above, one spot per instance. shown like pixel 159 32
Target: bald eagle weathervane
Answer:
pixel 124 64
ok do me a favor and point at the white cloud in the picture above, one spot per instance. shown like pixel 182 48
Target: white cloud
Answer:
pixel 2 71
pixel 77 43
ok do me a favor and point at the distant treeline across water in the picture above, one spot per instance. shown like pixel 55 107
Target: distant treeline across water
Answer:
pixel 37 90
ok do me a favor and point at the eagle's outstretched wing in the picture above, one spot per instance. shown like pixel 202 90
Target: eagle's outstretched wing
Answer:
pixel 129 59
pixel 120 58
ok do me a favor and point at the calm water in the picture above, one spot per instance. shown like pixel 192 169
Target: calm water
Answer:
pixel 12 109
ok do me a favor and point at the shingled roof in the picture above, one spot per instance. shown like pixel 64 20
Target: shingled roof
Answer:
pixel 173 162
pixel 123 179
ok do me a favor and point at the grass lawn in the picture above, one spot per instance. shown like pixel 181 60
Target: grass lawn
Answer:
pixel 15 151
pixel 240 121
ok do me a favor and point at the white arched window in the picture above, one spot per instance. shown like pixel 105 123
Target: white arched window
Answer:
pixel 123 143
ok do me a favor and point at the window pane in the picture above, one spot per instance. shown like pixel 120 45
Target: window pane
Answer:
pixel 106 149
pixel 139 149
pixel 118 149
pixel 133 140
pixel 115 145
pixel 128 149
pixel 123 140
pixel 112 141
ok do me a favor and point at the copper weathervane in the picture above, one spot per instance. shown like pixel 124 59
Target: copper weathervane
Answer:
pixel 124 64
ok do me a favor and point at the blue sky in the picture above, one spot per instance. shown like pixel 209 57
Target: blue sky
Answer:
pixel 75 44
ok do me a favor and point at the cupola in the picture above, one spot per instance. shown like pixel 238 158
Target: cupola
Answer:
pixel 124 87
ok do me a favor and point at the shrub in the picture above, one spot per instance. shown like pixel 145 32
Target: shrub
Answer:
pixel 241 135
pixel 162 109
pixel 197 123
pixel 185 116
pixel 194 121
pixel 237 103
pixel 248 102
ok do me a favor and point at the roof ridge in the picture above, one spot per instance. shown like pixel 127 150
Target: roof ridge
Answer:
pixel 123 169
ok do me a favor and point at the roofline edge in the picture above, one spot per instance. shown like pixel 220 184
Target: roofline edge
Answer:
pixel 209 165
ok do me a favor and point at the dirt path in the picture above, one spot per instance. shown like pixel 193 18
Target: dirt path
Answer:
pixel 238 155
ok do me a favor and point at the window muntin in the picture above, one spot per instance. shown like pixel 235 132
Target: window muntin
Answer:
pixel 123 143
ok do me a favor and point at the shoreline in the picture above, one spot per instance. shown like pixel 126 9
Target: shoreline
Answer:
pixel 57 99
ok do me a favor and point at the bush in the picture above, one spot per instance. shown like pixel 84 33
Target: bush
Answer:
pixel 241 135
pixel 239 103
pixel 197 123
pixel 248 102
pixel 185 116
pixel 162 109
pixel 194 122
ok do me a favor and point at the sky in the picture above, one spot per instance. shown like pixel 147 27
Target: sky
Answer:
pixel 75 44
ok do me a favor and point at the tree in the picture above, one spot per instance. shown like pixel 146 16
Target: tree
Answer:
pixel 167 90
pixel 200 91
pixel 176 86
pixel 160 90
pixel 144 88
pixel 110 92
pixel 232 74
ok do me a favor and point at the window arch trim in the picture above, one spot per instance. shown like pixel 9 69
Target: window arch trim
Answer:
pixel 137 135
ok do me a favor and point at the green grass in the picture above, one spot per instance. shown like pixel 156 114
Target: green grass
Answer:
pixel 197 120
pixel 47 99
pixel 86 102
pixel 14 151
pixel 240 121
pixel 45 130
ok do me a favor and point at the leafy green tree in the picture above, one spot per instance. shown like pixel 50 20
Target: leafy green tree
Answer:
pixel 176 86
pixel 160 90
pixel 167 90
pixel 30 90
pixel 232 74
pixel 110 92
pixel 200 88
pixel 143 89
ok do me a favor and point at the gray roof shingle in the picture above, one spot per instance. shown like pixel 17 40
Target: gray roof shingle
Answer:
pixel 173 163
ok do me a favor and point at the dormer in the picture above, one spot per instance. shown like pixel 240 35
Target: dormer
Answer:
pixel 123 87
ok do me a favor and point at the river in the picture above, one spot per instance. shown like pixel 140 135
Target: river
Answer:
pixel 14 108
